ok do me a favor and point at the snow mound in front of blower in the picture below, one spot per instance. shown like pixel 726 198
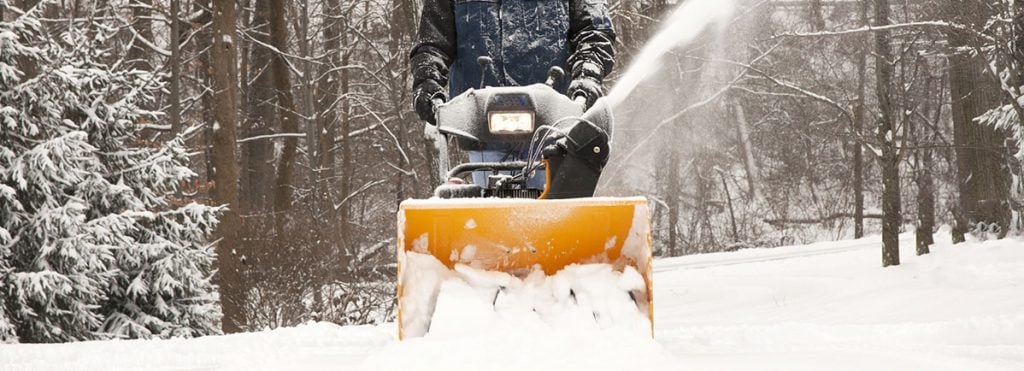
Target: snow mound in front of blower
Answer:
pixel 579 298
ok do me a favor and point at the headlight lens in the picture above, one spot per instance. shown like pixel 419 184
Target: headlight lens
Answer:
pixel 511 122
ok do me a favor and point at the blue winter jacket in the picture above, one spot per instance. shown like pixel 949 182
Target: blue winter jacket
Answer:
pixel 525 38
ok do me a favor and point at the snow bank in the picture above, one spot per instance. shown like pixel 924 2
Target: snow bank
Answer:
pixel 827 306
pixel 832 306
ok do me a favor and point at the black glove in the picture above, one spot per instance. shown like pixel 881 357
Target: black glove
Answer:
pixel 587 87
pixel 423 100
pixel 586 82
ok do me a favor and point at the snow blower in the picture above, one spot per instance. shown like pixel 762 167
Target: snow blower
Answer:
pixel 508 230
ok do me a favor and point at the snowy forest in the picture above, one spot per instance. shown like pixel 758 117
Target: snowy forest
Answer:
pixel 182 168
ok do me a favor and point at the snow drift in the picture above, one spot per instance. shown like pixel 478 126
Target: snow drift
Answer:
pixel 822 306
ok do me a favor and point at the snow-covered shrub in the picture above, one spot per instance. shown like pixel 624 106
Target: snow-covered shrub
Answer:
pixel 90 244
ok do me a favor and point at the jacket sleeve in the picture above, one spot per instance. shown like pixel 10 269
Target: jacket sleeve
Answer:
pixel 591 35
pixel 434 51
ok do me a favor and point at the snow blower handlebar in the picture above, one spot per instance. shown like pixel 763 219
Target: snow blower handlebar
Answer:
pixel 465 169
pixel 573 142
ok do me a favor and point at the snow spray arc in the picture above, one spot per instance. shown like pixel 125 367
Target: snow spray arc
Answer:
pixel 687 23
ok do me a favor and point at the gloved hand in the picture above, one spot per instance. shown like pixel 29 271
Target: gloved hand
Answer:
pixel 423 100
pixel 588 87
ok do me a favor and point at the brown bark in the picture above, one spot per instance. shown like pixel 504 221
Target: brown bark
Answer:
pixel 402 22
pixel 346 166
pixel 139 52
pixel 858 130
pixel 982 172
pixel 814 12
pixel 312 122
pixel 287 112
pixel 672 199
pixel 175 64
pixel 1018 42
pixel 204 73
pixel 317 254
pixel 925 161
pixel 225 190
pixel 261 116
pixel 327 95
pixel 887 137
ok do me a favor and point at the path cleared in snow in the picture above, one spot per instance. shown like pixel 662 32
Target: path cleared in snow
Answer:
pixel 821 306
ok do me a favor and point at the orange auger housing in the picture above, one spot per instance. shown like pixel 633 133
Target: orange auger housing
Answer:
pixel 514 236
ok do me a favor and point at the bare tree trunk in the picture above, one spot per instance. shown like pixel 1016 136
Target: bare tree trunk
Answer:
pixel 814 12
pixel 397 34
pixel 225 192
pixel 925 203
pixel 261 115
pixel 1018 43
pixel 311 119
pixel 982 172
pixel 316 258
pixel 743 132
pixel 328 87
pixel 732 213
pixel 925 161
pixel 672 192
pixel 139 52
pixel 701 234
pixel 175 64
pixel 887 137
pixel 858 130
pixel 204 73
pixel 287 109
pixel 347 167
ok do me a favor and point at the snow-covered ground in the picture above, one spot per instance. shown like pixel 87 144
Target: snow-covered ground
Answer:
pixel 822 306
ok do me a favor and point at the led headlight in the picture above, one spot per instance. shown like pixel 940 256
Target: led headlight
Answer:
pixel 510 122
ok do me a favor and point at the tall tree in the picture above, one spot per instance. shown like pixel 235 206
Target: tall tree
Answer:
pixel 261 115
pixel 223 55
pixel 142 31
pixel 287 111
pixel 982 172
pixel 175 65
pixel 924 164
pixel 891 208
pixel 859 114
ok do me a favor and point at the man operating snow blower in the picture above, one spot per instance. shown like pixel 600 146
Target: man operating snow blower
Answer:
pixel 526 235
pixel 465 44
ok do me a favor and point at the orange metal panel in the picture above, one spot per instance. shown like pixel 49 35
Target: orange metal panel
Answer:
pixel 515 235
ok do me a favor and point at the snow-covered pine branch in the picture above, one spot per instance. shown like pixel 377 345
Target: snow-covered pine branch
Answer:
pixel 90 246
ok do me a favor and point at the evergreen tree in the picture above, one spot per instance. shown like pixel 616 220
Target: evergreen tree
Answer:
pixel 91 246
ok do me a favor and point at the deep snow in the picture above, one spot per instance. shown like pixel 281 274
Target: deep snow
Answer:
pixel 821 306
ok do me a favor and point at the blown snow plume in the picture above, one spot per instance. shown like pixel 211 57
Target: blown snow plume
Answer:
pixel 684 26
pixel 665 82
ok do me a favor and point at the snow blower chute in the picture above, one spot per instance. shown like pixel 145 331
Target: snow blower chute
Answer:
pixel 525 230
